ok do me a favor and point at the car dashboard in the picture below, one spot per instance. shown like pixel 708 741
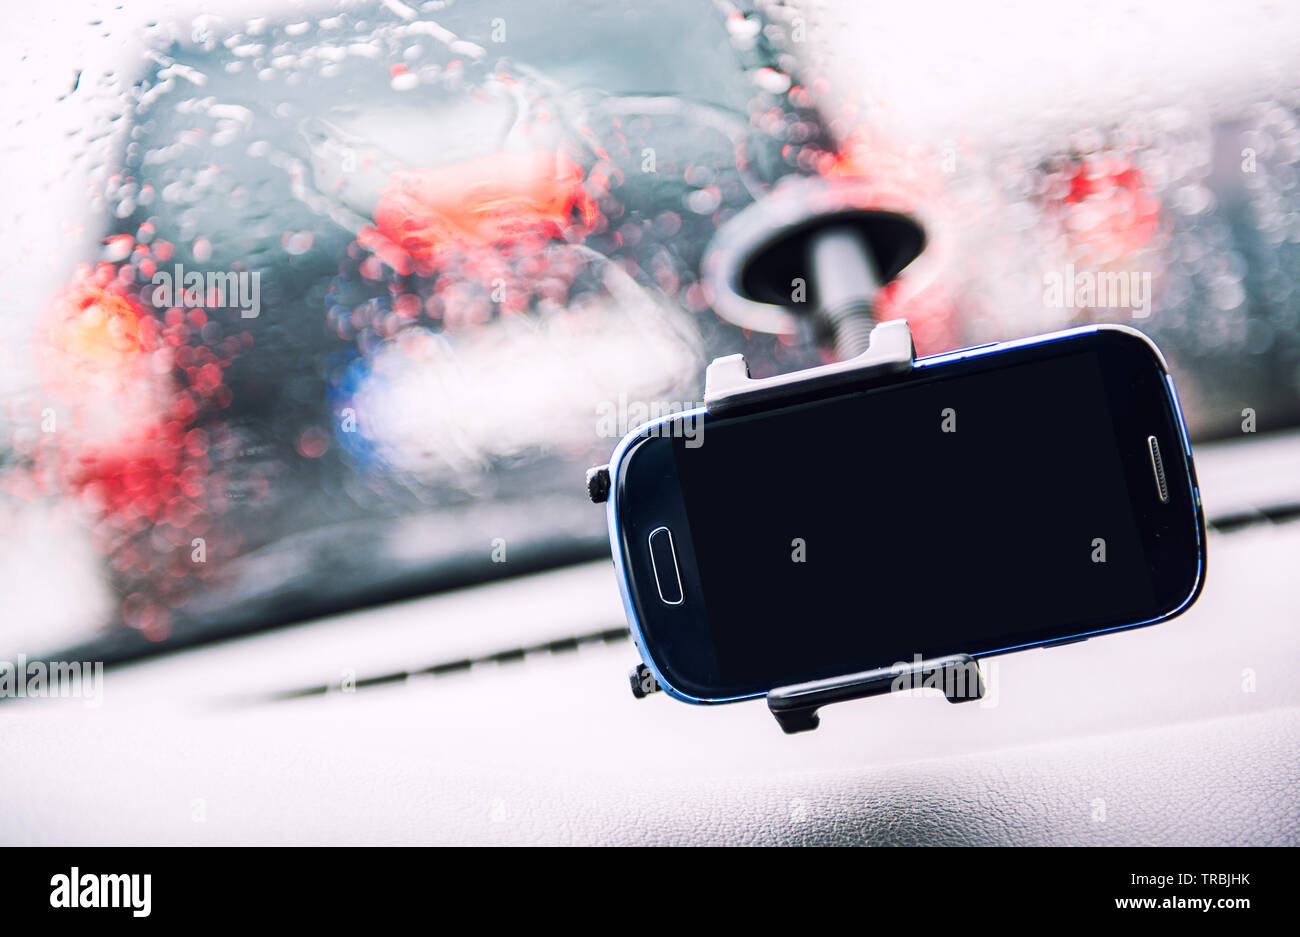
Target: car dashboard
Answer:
pixel 500 714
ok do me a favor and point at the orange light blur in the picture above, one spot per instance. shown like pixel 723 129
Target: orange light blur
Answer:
pixel 484 202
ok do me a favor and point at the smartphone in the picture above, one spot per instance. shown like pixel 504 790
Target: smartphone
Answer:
pixel 991 499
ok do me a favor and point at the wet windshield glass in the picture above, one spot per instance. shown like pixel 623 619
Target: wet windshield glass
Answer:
pixel 318 305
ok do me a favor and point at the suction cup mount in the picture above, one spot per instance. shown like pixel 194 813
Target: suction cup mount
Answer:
pixel 810 255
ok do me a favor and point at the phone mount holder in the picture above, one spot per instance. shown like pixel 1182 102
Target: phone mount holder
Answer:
pixel 811 232
pixel 729 389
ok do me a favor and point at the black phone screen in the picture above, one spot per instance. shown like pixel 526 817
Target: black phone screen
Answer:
pixel 962 514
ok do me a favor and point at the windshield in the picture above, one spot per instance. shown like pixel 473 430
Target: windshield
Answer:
pixel 329 304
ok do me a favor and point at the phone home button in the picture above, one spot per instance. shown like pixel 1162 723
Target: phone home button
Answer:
pixel 663 560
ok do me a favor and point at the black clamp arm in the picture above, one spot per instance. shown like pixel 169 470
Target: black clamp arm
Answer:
pixel 795 707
